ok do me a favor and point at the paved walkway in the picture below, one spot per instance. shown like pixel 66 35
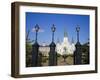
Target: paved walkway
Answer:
pixel 60 61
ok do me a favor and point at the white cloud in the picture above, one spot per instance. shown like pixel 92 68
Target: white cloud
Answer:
pixel 40 30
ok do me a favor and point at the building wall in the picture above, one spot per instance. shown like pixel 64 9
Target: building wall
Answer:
pixel 44 50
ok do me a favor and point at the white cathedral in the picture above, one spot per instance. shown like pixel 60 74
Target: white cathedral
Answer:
pixel 66 47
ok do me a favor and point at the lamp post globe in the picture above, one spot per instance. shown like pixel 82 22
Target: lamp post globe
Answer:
pixel 77 28
pixel 36 29
pixel 53 28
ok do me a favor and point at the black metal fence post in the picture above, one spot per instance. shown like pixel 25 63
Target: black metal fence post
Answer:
pixel 35 51
pixel 78 54
pixel 52 55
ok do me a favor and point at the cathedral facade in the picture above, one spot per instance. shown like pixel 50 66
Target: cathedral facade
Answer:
pixel 65 47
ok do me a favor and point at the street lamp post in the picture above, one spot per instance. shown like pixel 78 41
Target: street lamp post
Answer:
pixel 78 52
pixel 53 28
pixel 52 53
pixel 35 49
pixel 77 29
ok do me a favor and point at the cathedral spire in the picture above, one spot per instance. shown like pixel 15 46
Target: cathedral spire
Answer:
pixel 65 33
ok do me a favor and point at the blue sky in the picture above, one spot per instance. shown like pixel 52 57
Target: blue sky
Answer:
pixel 62 22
